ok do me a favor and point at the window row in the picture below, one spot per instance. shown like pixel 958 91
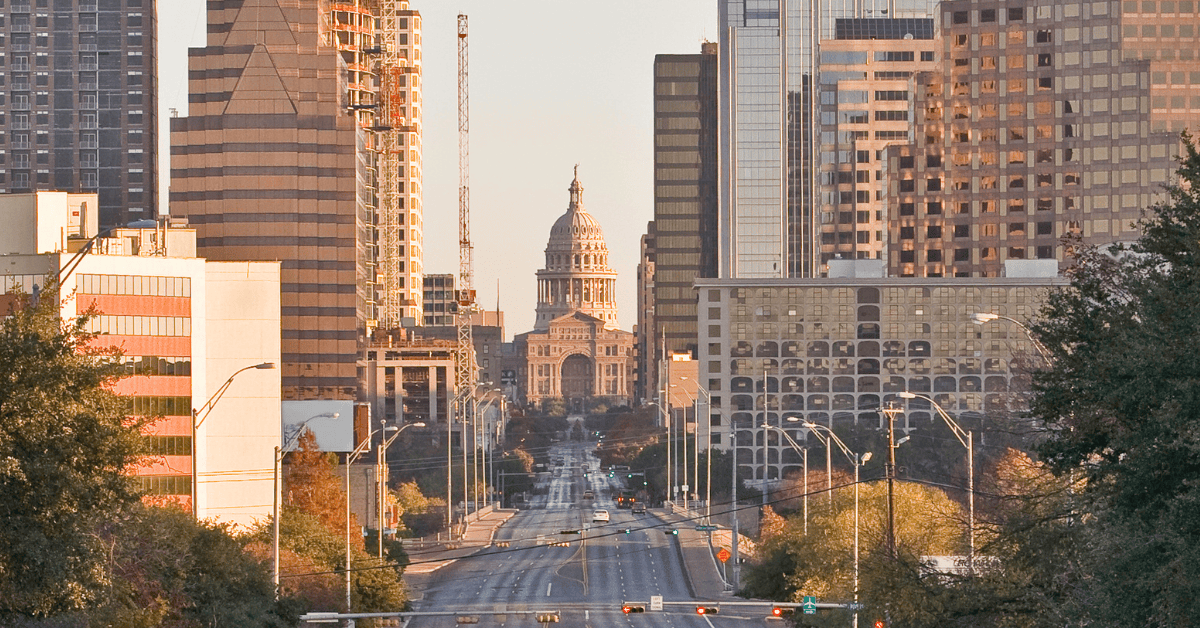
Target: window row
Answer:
pixel 156 365
pixel 169 445
pixel 140 325
pixel 158 406
pixel 165 484
pixel 136 285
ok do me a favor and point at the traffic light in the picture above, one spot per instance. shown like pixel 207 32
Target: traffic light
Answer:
pixel 706 610
pixel 627 530
pixel 633 608
pixel 879 624
pixel 568 531
pixel 671 531
pixel 780 611
pixel 547 618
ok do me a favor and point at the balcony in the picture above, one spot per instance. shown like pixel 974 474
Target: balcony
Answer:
pixel 20 67
pixel 87 28
pixel 20 28
pixel 89 66
pixel 87 8
pixel 19 144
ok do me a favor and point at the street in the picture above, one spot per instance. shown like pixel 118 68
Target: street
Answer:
pixel 587 580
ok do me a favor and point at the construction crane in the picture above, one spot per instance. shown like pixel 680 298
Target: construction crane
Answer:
pixel 465 368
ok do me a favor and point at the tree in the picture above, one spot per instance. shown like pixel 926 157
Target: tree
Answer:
pixel 166 569
pixel 313 486
pixel 65 446
pixel 791 564
pixel 1121 405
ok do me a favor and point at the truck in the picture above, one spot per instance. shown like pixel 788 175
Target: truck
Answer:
pixel 626 499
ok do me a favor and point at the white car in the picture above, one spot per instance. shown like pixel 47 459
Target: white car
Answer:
pixel 600 515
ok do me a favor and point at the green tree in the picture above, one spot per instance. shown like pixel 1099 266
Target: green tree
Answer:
pixel 166 569
pixel 1121 405
pixel 66 444
pixel 791 564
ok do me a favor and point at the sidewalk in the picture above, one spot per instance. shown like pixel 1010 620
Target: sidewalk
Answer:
pixel 699 562
pixel 428 558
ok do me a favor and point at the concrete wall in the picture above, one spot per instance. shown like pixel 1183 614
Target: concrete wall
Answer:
pixel 237 441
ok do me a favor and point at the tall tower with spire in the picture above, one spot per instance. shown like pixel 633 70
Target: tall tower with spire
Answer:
pixel 577 277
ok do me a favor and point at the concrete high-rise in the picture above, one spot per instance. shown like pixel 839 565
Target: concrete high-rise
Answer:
pixel 271 164
pixel 79 111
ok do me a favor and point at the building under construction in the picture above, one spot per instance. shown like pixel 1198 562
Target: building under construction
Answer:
pixel 380 43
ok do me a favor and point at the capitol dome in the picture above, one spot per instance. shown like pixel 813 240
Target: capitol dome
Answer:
pixel 577 277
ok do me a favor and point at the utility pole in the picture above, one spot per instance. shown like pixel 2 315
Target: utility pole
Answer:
pixel 890 411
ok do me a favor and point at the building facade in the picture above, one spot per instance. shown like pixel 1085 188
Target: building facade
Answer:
pixel 834 351
pixel 80 107
pixel 184 326
pixel 774 145
pixel 685 193
pixel 575 351
pixel 1038 124
pixel 270 164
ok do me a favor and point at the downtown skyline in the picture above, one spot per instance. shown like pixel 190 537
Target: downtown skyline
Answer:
pixel 592 107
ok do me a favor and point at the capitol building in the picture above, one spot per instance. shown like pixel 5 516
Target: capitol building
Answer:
pixel 575 351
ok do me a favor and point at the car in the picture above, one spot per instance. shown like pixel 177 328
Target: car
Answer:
pixel 639 508
pixel 589 495
pixel 600 515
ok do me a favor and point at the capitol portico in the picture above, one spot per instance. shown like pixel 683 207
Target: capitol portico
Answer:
pixel 575 351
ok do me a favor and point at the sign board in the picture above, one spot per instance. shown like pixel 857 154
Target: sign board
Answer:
pixel 705 528
pixel 332 422
pixel 656 603
pixel 960 565
pixel 810 605
pixel 723 555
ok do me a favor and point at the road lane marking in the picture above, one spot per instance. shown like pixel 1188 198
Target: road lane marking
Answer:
pixel 548 585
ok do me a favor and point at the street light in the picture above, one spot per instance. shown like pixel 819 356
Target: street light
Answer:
pixel 197 419
pixel 967 439
pixel 828 462
pixel 980 318
pixel 483 431
pixel 707 447
pixel 858 461
pixel 803 451
pixel 384 443
pixel 287 444
pixel 665 417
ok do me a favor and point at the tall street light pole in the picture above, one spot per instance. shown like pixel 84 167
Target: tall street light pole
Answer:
pixel 384 443
pixel 979 318
pixel 707 446
pixel 198 417
pixel 803 451
pixel 966 439
pixel 858 461
pixel 279 451
pixel 890 412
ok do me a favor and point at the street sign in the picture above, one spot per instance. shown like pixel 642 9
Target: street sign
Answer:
pixel 703 528
pixel 656 603
pixel 810 605
pixel 723 555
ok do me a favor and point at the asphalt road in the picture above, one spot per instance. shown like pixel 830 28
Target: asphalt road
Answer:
pixel 587 580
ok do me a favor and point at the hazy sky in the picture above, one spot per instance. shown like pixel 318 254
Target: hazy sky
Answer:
pixel 553 83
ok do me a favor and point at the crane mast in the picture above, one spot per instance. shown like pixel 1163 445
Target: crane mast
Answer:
pixel 464 361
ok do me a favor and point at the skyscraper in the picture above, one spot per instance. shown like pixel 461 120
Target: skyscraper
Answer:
pixel 685 193
pixel 271 164
pixel 80 112
pixel 774 144
pixel 1042 120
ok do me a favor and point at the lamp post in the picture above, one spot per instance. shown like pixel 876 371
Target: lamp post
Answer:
pixel 487 436
pixel 198 419
pixel 665 417
pixel 858 461
pixel 707 448
pixel 279 451
pixel 695 401
pixel 980 318
pixel 967 439
pixel 384 443
pixel 803 451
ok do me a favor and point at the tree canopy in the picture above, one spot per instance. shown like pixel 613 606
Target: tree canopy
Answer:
pixel 65 445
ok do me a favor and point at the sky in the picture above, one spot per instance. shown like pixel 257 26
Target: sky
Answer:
pixel 553 83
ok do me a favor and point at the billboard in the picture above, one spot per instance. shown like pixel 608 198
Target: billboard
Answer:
pixel 332 422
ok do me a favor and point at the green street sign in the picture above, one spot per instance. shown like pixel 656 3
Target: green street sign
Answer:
pixel 810 605
pixel 705 528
